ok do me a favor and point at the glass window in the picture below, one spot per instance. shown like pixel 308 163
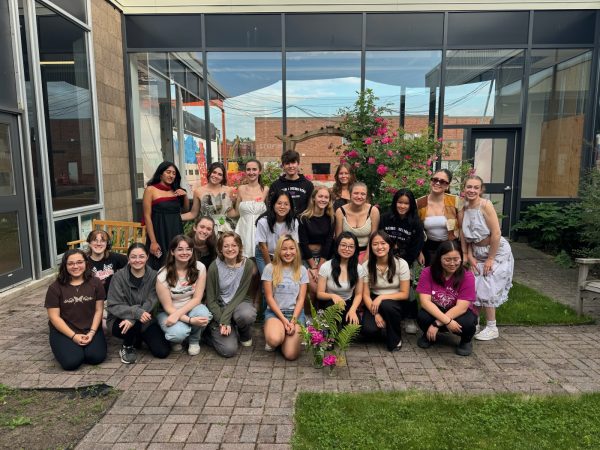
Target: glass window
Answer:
pixel 318 85
pixel 483 87
pixel 557 103
pixel 564 27
pixel 67 110
pixel 405 30
pixel 401 81
pixel 246 104
pixel 488 28
pixel 323 31
pixel 164 31
pixel 12 259
pixel 151 114
pixel 7 178
pixel 74 7
pixel 236 31
pixel 8 87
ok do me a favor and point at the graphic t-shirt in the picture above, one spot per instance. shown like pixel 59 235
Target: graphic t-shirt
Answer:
pixel 286 292
pixel 183 291
pixel 106 268
pixel 446 296
pixel 77 304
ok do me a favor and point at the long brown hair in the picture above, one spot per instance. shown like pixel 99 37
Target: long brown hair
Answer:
pixel 312 204
pixel 391 261
pixel 64 277
pixel 336 190
pixel 192 270
pixel 238 240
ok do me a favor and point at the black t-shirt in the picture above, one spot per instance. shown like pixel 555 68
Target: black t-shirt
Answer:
pixel 316 230
pixel 299 189
pixel 408 240
pixel 106 268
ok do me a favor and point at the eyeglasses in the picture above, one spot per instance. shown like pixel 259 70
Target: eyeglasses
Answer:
pixel 439 181
pixel 98 241
pixel 347 246
pixel 75 263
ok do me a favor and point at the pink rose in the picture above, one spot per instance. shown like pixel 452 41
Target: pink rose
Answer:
pixel 317 338
pixel 386 140
pixel 395 133
pixel 368 141
pixel 382 170
pixel 429 162
pixel 329 360
pixel 371 160
pixel 378 119
pixel 308 177
pixel 342 160
pixel 407 157
pixel 420 181
pixel 352 154
pixel 441 140
pixel 390 153
pixel 356 164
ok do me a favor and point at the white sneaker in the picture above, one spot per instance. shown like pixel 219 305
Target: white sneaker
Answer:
pixel 194 349
pixel 247 343
pixel 176 348
pixel 487 334
pixel 411 327
pixel 268 348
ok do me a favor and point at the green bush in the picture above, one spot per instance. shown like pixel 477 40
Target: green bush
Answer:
pixel 590 205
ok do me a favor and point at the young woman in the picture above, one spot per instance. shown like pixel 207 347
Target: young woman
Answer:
pixel 130 304
pixel 316 234
pixel 104 263
pixel 439 212
pixel 385 292
pixel 358 217
pixel 341 278
pixel 488 254
pixel 163 203
pixel 214 199
pixel 277 221
pixel 447 294
pixel 180 288
pixel 340 192
pixel 205 241
pixel 250 204
pixel 284 283
pixel 75 303
pixel 229 297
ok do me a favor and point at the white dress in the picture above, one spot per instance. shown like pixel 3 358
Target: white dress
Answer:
pixel 249 211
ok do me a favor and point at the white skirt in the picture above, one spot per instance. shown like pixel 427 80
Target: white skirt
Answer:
pixel 492 289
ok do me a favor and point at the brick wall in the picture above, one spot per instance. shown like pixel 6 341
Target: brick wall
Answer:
pixel 110 85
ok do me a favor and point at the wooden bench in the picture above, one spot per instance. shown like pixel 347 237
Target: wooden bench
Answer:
pixel 586 288
pixel 123 234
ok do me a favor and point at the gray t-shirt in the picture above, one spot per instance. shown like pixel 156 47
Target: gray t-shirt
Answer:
pixel 263 234
pixel 344 290
pixel 229 279
pixel 286 292
pixel 382 286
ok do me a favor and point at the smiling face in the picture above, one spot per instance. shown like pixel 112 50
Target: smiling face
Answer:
pixel 252 171
pixel 403 205
pixel 76 266
pixel 358 196
pixel 346 248
pixel 281 207
pixel 380 247
pixel 203 230
pixel 98 245
pixel 473 189
pixel 168 176
pixel 343 176
pixel 439 182
pixel 230 249
pixel 183 252
pixel 451 261
pixel 137 258
pixel 288 251
pixel 291 169
pixel 322 198
pixel 216 176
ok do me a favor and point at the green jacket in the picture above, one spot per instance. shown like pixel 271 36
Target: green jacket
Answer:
pixel 222 312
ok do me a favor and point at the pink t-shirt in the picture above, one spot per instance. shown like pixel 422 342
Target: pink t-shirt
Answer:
pixel 446 296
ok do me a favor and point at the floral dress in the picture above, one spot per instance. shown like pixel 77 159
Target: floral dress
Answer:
pixel 217 206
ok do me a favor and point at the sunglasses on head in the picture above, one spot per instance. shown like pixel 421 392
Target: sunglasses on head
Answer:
pixel 439 181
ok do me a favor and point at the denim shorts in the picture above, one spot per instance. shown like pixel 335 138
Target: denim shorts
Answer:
pixel 287 313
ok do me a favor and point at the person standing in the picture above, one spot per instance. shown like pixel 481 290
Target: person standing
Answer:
pixel 293 182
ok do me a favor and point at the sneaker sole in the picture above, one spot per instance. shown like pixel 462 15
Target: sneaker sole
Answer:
pixel 486 338
pixel 246 343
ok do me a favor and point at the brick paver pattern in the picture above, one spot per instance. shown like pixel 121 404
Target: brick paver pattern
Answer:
pixel 247 401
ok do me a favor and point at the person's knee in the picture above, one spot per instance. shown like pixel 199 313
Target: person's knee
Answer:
pixel 177 333
pixel 245 314
pixel 96 357
pixel 70 364
pixel 228 350
pixel 201 311
pixel 161 352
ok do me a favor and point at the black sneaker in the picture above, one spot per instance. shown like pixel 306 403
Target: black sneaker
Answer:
pixel 128 355
pixel 464 348
pixel 423 342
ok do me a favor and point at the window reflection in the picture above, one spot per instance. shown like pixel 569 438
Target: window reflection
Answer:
pixel 557 103
pixel 483 87
pixel 67 110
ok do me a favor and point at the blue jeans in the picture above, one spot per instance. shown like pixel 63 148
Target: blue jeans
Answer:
pixel 178 332
pixel 269 314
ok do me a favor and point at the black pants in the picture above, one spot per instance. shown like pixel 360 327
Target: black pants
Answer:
pixel 324 304
pixel 71 355
pixel 468 322
pixel 153 336
pixel 392 311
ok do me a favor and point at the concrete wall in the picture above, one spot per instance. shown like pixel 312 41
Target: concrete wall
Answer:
pixel 110 85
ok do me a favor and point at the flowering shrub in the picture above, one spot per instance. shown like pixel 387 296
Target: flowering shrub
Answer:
pixel 386 159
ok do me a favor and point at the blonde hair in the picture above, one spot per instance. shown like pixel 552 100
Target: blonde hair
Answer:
pixel 312 204
pixel 278 262
pixel 474 177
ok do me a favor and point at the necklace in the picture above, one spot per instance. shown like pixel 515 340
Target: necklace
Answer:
pixel 382 269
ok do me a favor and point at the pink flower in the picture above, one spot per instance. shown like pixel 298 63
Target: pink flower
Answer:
pixel 441 140
pixel 429 172
pixel 378 119
pixel 371 160
pixel 311 329
pixel 329 360
pixel 308 177
pixel 317 338
pixel 390 153
pixel 342 160
pixel 382 169
pixel 471 172
pixel 429 162
pixel 407 157
pixel 420 181
pixel 352 154
pixel 387 140
pixel 356 164
pixel 368 141
pixel 395 133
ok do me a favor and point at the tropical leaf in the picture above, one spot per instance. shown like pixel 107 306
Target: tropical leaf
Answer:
pixel 346 336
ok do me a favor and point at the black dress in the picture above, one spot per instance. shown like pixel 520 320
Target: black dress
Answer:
pixel 166 221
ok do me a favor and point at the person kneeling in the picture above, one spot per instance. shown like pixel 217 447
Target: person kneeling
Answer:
pixel 447 293
pixel 284 282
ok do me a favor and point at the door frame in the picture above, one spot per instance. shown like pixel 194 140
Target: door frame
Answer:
pixel 18 203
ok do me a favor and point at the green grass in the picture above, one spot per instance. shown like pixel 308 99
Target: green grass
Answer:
pixel 422 420
pixel 526 306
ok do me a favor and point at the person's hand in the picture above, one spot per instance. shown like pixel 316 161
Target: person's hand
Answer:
pixel 351 317
pixel 145 317
pixel 454 327
pixel 172 319
pixel 199 321
pixel 487 266
pixel 314 274
pixel 337 299
pixel 81 339
pixel 432 333
pixel 155 249
pixel 379 321
pixel 473 264
pixel 290 327
pixel 375 305
pixel 421 259
pixel 125 326
pixel 225 330
pixel 179 192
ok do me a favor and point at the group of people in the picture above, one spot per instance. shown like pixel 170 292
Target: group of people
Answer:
pixel 274 250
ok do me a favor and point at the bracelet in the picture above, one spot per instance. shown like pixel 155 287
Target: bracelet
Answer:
pixel 92 331
pixel 74 334
pixel 449 322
